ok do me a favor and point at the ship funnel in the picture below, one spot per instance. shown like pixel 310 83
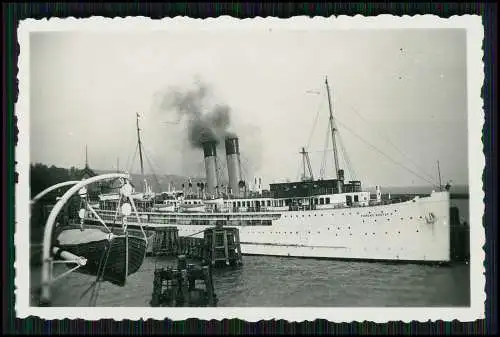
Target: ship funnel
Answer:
pixel 210 154
pixel 233 164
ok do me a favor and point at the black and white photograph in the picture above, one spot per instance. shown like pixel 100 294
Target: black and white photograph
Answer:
pixel 294 168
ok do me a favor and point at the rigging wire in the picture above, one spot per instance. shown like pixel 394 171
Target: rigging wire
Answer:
pixel 128 162
pixel 299 169
pixel 151 167
pixel 100 274
pixel 385 155
pixel 246 163
pixel 347 160
pixel 322 171
pixel 423 171
pixel 130 165
pixel 315 120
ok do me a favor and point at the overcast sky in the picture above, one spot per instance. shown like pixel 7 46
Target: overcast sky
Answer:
pixel 389 87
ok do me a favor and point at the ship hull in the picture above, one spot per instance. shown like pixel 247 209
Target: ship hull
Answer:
pixel 417 230
pixel 115 259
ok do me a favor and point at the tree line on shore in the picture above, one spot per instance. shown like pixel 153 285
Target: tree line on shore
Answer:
pixel 43 176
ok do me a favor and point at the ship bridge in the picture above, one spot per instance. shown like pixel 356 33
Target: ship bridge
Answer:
pixel 304 189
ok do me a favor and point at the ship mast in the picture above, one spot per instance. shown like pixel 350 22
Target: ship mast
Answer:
pixel 305 159
pixel 333 129
pixel 439 174
pixel 86 158
pixel 139 143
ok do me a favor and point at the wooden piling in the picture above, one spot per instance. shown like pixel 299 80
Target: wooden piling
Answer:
pixel 177 287
pixel 222 247
pixel 166 241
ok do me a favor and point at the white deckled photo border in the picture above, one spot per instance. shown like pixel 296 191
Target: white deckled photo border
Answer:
pixel 475 78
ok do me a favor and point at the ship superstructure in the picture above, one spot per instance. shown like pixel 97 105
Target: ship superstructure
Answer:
pixel 328 218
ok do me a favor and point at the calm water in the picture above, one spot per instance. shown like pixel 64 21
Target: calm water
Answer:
pixel 274 281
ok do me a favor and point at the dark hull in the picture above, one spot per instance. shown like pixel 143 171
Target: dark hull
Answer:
pixel 117 265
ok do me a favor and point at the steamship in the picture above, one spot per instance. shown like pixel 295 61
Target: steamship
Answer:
pixel 321 218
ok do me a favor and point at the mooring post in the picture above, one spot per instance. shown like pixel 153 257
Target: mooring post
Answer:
pixel 191 277
pixel 238 246
pixel 207 276
pixel 181 262
pixel 214 239
pixel 157 285
pixel 175 287
pixel 184 287
pixel 226 248
pixel 176 242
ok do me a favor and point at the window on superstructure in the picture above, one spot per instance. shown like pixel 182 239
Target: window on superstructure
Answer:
pixel 269 203
pixel 356 198
pixel 327 200
pixel 315 201
pixel 321 201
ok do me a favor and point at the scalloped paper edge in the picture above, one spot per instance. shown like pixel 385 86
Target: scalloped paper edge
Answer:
pixel 475 78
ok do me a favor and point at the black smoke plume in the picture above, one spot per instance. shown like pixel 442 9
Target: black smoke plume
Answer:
pixel 203 123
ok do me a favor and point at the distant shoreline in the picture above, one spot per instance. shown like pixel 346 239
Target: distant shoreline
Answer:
pixel 162 181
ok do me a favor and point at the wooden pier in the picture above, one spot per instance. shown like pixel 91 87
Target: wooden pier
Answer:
pixel 222 246
pixel 193 248
pixel 188 285
pixel 219 247
pixel 166 241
